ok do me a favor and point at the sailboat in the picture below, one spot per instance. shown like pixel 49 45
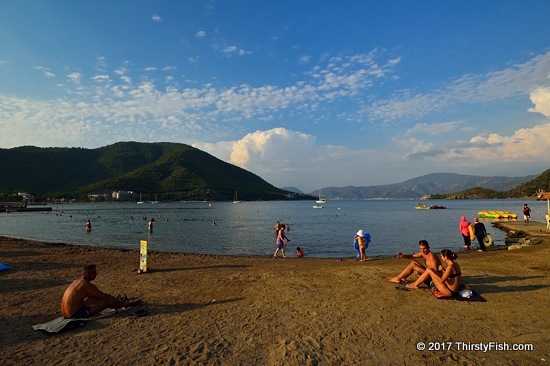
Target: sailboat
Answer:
pixel 321 200
pixel 140 202
pixel 235 199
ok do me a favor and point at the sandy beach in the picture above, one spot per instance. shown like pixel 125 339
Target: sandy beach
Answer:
pixel 220 310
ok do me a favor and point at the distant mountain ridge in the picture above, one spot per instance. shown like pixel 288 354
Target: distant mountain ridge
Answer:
pixel 435 183
pixel 292 189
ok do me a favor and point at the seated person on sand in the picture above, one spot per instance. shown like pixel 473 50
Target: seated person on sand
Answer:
pixel 82 299
pixel 447 284
pixel 431 260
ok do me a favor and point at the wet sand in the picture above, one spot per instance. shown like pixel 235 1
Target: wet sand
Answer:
pixel 226 310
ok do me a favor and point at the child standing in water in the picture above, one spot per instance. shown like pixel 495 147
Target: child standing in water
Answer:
pixel 362 244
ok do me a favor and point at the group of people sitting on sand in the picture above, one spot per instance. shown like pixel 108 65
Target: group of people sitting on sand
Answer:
pixel 445 279
pixel 82 299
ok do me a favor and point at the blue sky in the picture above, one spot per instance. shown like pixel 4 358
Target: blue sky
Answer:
pixel 302 93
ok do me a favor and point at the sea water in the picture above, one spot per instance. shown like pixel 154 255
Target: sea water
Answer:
pixel 246 228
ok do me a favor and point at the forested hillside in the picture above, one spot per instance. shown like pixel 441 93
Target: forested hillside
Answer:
pixel 163 170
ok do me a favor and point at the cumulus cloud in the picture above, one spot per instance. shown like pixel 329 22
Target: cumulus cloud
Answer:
pixel 525 143
pixel 541 99
pixel 156 18
pixel 285 157
pixel 200 34
pixel 523 146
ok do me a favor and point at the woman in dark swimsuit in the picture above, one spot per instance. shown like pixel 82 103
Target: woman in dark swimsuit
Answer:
pixel 449 283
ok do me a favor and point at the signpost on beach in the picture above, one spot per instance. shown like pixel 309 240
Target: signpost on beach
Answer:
pixel 143 260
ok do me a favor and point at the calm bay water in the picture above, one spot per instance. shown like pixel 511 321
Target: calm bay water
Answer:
pixel 247 228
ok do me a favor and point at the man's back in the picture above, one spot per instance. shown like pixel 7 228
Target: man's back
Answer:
pixel 73 298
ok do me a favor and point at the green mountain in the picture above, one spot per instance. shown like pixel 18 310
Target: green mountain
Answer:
pixel 164 171
pixel 531 188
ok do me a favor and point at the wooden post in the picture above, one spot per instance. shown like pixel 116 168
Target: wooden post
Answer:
pixel 143 258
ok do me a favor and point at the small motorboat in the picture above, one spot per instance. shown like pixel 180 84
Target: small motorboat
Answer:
pixel 422 207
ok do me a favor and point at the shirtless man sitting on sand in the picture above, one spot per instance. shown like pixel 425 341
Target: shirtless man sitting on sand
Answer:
pixel 432 261
pixel 82 299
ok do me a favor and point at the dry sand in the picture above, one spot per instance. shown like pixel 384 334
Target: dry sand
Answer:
pixel 263 311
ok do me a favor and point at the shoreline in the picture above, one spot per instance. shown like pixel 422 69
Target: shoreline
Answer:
pixel 536 229
pixel 217 309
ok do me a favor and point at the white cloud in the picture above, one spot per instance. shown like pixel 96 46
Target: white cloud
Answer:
pixel 435 128
pixel 517 80
pixel 156 18
pixel 45 71
pixel 541 99
pixel 74 77
pixel 394 61
pixel 285 157
pixel 200 34
pixel 100 110
pixel 230 49
pixel 304 59
pixel 100 78
pixel 526 146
